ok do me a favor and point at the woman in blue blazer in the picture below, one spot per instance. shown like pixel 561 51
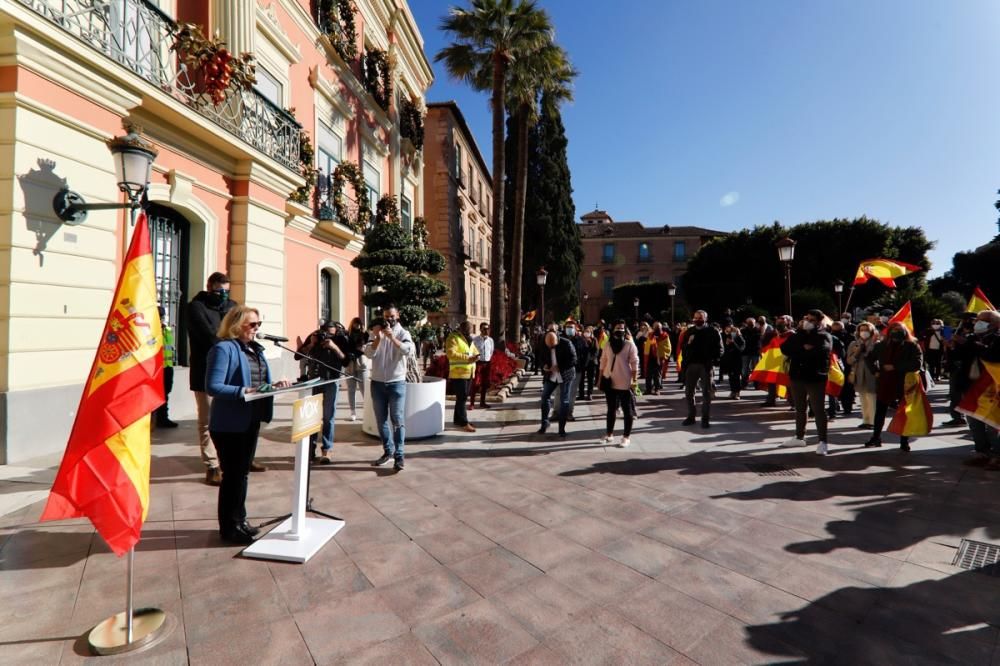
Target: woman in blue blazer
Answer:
pixel 237 367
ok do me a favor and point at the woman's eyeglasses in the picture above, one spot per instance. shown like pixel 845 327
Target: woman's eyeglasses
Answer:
pixel 253 324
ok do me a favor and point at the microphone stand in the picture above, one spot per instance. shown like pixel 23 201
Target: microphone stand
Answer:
pixel 309 501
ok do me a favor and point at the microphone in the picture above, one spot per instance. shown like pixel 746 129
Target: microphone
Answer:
pixel 272 338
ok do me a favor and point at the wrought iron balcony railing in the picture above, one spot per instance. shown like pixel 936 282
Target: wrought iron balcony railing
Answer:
pixel 323 202
pixel 138 36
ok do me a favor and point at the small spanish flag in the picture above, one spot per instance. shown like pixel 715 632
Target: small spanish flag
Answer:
pixel 913 417
pixel 904 316
pixel 979 302
pixel 530 316
pixel 772 367
pixel 835 378
pixel 883 270
pixel 104 473
pixel 982 400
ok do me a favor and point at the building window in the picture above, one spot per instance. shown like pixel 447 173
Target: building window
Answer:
pixel 329 150
pixel 609 287
pixel 680 251
pixel 644 255
pixel 269 86
pixel 472 242
pixel 405 213
pixel 373 179
pixel 458 163
pixel 482 251
pixel 609 253
pixel 473 292
pixel 482 299
pixel 325 292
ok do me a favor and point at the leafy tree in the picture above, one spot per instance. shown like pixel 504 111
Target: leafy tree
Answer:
pixel 550 217
pixel 489 36
pixel 547 70
pixel 743 268
pixel 399 270
pixel 971 269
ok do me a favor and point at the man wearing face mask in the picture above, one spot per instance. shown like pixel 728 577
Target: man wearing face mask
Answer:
pixel 960 350
pixel 782 330
pixel 808 353
pixel 204 315
pixel 558 363
pixel 985 347
pixel 702 350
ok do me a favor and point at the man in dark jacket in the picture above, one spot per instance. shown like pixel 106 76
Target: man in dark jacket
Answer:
pixel 808 354
pixel 751 351
pixel 702 350
pixel 558 363
pixel 204 314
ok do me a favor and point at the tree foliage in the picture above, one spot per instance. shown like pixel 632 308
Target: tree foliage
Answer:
pixel 398 272
pixel 971 269
pixel 552 239
pixel 743 267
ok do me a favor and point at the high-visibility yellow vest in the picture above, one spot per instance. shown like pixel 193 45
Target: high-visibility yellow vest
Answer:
pixel 459 352
pixel 168 347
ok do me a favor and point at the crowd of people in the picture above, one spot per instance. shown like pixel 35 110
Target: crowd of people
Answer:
pixel 876 361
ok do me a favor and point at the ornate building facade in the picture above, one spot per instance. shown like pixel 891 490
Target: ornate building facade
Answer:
pixel 243 182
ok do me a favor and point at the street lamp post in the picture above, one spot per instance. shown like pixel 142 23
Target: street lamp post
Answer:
pixel 671 291
pixel 786 253
pixel 635 304
pixel 541 276
pixel 838 288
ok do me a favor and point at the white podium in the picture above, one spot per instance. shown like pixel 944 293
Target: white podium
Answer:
pixel 423 414
pixel 298 537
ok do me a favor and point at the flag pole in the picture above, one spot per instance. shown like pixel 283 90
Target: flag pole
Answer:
pixel 129 607
pixel 847 305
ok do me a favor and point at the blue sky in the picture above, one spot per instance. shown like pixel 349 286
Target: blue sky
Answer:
pixel 731 114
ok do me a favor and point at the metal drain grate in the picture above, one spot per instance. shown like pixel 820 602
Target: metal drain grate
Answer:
pixel 978 556
pixel 771 469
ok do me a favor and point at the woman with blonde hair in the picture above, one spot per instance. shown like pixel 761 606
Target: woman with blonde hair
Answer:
pixel 236 368
pixel 861 377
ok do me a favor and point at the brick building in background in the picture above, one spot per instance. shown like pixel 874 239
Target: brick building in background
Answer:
pixel 458 203
pixel 616 253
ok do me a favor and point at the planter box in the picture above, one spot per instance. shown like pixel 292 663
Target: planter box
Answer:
pixel 423 413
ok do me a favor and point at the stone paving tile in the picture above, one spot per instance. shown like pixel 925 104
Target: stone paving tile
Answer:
pixel 478 634
pixel 543 548
pixel 455 542
pixel 669 615
pixel 590 531
pixel 645 555
pixel 321 578
pixel 384 564
pixel 338 628
pixel 428 595
pixel 404 649
pixel 683 535
pixel 541 605
pixel 597 577
pixel 602 636
pixel 495 570
pixel 540 655
pixel 726 644
pixel 277 642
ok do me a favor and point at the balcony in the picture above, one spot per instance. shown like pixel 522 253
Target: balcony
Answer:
pixel 323 208
pixel 138 36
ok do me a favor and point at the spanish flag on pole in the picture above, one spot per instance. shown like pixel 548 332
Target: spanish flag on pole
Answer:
pixel 883 270
pixel 982 401
pixel 104 473
pixel 904 316
pixel 979 302
pixel 913 416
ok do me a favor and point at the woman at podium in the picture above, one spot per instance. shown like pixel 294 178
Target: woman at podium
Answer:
pixel 236 367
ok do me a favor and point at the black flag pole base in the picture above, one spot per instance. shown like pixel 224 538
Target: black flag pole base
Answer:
pixel 149 627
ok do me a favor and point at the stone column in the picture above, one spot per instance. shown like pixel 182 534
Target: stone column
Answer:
pixel 236 22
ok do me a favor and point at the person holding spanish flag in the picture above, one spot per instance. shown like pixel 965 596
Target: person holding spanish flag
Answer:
pixel 236 368
pixel 891 359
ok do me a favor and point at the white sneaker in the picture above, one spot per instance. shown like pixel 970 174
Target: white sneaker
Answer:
pixel 609 440
pixel 354 417
pixel 792 441
pixel 822 449
pixel 623 443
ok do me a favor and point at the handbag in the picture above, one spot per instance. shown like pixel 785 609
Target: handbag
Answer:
pixel 605 383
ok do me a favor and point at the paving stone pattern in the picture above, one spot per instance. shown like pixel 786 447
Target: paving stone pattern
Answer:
pixel 503 546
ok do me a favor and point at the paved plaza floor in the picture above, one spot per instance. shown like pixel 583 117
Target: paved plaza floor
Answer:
pixel 503 546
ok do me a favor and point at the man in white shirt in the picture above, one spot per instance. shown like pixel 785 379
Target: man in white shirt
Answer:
pixel 484 343
pixel 388 349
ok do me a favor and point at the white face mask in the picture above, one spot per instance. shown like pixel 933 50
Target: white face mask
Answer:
pixel 981 327
pixel 865 334
pixel 808 326
pixel 570 331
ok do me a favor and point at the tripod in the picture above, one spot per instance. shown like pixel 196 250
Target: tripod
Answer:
pixel 309 500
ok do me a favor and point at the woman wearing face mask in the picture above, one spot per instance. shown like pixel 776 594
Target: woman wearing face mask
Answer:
pixel 861 376
pixel 890 360
pixel 620 367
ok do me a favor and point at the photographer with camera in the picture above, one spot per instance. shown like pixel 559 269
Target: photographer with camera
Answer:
pixel 329 345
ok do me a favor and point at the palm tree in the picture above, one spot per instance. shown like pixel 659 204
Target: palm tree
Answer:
pixel 489 37
pixel 547 73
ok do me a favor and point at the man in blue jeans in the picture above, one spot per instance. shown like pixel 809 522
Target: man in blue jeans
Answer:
pixel 388 349
pixel 559 364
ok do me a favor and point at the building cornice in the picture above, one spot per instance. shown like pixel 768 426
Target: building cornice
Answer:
pixel 270 27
